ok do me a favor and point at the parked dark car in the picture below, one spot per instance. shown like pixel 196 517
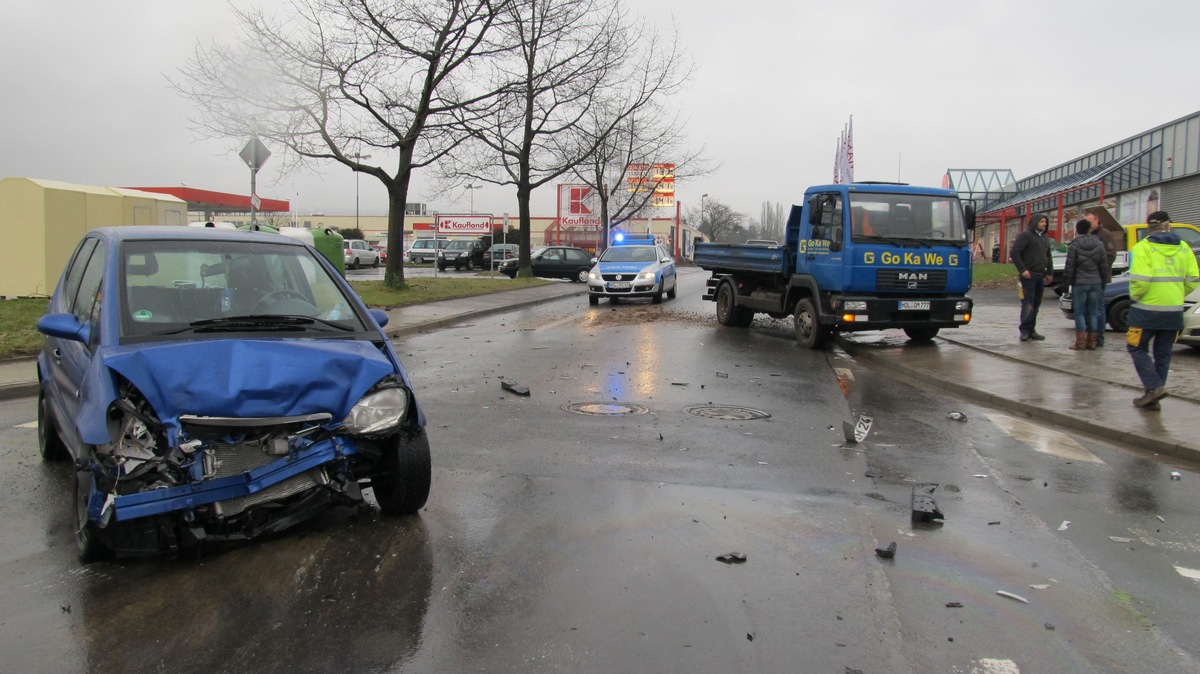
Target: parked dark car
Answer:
pixel 555 262
pixel 212 385
pixel 461 254
pixel 498 253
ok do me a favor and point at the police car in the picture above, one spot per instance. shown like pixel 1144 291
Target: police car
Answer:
pixel 632 267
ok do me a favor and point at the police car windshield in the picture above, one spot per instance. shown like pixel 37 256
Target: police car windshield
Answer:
pixel 630 254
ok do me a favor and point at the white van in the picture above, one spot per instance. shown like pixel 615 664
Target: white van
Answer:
pixel 424 250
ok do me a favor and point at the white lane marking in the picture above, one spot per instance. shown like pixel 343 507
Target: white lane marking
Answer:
pixel 31 424
pixel 996 666
pixel 1194 574
pixel 1043 439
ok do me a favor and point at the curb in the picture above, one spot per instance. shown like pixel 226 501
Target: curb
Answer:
pixel 20 389
pixel 1179 450
pixel 438 323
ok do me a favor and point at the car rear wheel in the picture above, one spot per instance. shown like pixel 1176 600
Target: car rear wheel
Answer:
pixel 375 264
pixel 402 485
pixel 581 275
pixel 49 442
pixel 1118 315
pixel 87 540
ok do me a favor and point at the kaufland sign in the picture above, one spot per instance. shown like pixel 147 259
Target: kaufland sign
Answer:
pixel 464 224
pixel 578 206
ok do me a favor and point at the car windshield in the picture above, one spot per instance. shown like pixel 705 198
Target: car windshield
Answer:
pixel 455 245
pixel 907 216
pixel 173 287
pixel 629 254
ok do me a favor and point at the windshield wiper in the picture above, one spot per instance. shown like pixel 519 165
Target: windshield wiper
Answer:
pixel 275 322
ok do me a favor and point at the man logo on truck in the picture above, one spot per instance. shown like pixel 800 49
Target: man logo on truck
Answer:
pixel 913 276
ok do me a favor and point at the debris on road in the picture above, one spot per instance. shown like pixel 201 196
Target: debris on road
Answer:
pixel 514 387
pixel 1040 586
pixel 858 432
pixel 980 475
pixel 679 383
pixel 1014 597
pixel 723 375
pixel 732 558
pixel 954 604
pixel 992 524
pixel 1176 475
pixel 1064 525
pixel 1160 518
pixel 1050 626
pixel 957 416
pixel 1120 539
pixel 924 508
pixel 888 552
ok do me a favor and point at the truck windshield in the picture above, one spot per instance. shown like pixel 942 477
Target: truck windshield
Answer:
pixel 906 216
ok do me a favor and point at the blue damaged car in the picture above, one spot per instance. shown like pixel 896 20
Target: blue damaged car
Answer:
pixel 632 267
pixel 219 385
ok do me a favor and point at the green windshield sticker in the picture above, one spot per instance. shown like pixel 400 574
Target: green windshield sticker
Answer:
pixel 143 315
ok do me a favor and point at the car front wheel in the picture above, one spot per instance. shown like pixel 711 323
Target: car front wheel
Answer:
pixel 87 541
pixel 581 276
pixel 1118 315
pixel 402 484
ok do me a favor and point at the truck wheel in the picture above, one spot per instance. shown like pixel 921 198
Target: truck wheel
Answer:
pixel 728 312
pixel 809 332
pixel 401 485
pixel 921 334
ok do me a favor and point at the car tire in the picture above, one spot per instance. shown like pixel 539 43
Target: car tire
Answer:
pixel 809 331
pixel 728 312
pixel 87 537
pixel 593 300
pixel 402 485
pixel 671 292
pixel 50 443
pixel 657 297
pixel 470 266
pixel 922 334
pixel 441 267
pixel 614 300
pixel 1118 314
pixel 375 264
pixel 581 275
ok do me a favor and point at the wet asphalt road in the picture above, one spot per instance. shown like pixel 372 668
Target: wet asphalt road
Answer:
pixel 556 541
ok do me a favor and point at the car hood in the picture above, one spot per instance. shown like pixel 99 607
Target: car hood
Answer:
pixel 233 378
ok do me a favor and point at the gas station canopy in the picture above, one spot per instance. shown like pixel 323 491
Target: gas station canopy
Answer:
pixel 214 203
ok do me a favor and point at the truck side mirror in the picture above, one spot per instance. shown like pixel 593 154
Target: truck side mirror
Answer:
pixel 969 216
pixel 814 209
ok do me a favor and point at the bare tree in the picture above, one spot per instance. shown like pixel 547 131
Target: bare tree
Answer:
pixel 719 222
pixel 771 220
pixel 565 62
pixel 339 80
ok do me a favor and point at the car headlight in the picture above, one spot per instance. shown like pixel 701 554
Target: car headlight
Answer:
pixel 593 276
pixel 646 276
pixel 377 413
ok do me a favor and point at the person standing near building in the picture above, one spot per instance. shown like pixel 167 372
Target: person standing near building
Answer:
pixel 1162 271
pixel 1086 273
pixel 1110 251
pixel 1031 255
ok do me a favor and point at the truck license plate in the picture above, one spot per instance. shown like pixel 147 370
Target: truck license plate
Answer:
pixel 623 285
pixel 914 305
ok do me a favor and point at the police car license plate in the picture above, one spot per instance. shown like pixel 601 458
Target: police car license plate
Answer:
pixel 914 305
pixel 620 285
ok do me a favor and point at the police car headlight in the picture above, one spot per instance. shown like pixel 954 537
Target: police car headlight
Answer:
pixel 646 276
pixel 376 413
pixel 593 276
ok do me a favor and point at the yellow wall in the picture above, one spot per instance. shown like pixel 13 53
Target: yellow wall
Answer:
pixel 43 220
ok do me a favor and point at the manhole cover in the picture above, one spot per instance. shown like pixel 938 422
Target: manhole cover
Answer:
pixel 727 413
pixel 613 409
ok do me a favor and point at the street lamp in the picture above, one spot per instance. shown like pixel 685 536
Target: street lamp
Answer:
pixel 702 198
pixel 472 189
pixel 357 157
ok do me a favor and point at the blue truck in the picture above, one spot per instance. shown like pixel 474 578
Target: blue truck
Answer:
pixel 858 256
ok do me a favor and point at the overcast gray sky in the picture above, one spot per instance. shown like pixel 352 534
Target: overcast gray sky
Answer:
pixel 1019 84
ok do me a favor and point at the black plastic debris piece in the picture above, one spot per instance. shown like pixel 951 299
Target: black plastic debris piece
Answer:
pixel 853 671
pixel 1050 626
pixel 888 552
pixel 749 636
pixel 994 523
pixel 514 387
pixel 954 604
pixel 924 508
pixel 732 558
pixel 957 416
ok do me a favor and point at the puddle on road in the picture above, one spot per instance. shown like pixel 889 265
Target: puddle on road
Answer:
pixel 1043 439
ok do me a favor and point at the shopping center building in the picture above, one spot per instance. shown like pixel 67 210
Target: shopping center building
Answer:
pixel 1122 182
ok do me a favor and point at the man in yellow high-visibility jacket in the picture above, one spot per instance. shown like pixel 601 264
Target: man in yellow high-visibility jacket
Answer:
pixel 1162 271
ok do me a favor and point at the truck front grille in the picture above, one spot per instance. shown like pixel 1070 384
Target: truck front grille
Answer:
pixel 910 279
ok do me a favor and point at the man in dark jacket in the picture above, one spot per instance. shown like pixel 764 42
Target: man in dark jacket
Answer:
pixel 1031 254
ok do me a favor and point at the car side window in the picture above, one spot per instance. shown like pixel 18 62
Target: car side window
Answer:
pixel 553 254
pixel 87 303
pixel 78 263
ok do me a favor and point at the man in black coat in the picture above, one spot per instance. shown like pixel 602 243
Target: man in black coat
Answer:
pixel 1031 254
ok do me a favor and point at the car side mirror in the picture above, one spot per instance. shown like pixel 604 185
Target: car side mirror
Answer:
pixel 380 316
pixel 65 326
pixel 595 260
